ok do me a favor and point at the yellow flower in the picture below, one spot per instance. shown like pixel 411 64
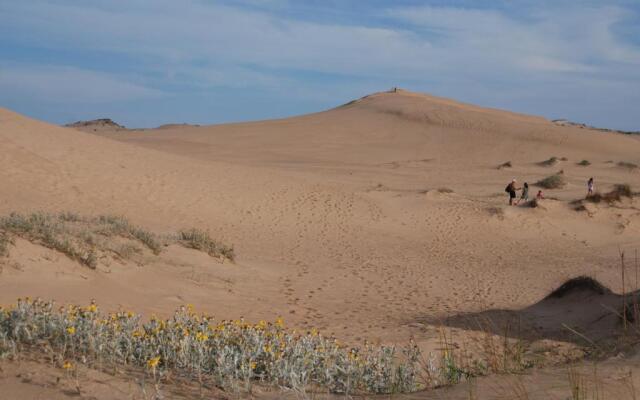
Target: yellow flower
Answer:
pixel 314 332
pixel 152 363
pixel 253 365
pixel 71 330
pixel 67 365
pixel 201 337
pixel 137 333
pixel 267 348
pixel 280 322
pixel 261 325
pixel 92 308
pixel 185 332
pixel 130 314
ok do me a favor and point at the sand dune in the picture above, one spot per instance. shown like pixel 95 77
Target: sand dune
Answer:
pixel 340 219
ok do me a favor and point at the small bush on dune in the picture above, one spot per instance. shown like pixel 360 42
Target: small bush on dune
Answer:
pixel 616 194
pixel 445 190
pixel 619 191
pixel 5 241
pixel 548 163
pixel 505 165
pixel 84 238
pixel 628 165
pixel 584 163
pixel 118 225
pixel 556 181
pixel 46 230
pixel 200 240
pixel 580 283
pixel 533 203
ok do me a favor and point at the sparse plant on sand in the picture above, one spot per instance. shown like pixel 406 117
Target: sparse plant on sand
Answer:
pixel 616 194
pixel 228 354
pixel 5 241
pixel 200 240
pixel 555 181
pixel 505 165
pixel 87 239
pixel 627 165
pixel 584 163
pixel 549 162
pixel 445 190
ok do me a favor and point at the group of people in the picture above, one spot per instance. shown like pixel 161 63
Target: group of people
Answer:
pixel 512 189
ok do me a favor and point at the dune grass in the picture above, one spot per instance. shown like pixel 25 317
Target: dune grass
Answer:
pixel 555 181
pixel 616 194
pixel 5 241
pixel 200 240
pixel 87 239
pixel 549 162
pixel 627 165
pixel 584 163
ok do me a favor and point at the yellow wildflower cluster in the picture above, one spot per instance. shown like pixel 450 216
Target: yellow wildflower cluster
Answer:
pixel 198 345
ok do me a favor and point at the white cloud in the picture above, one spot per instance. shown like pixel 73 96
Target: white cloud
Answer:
pixel 477 55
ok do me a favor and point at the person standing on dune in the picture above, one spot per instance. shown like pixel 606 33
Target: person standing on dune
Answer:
pixel 525 194
pixel 590 187
pixel 511 189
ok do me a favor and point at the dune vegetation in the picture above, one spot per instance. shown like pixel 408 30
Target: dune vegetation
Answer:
pixel 86 239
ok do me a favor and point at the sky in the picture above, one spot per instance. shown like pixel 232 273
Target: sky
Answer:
pixel 144 63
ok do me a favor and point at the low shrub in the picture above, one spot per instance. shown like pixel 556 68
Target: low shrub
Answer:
pixel 584 163
pixel 616 194
pixel 556 181
pixel 5 241
pixel 505 165
pixel 550 162
pixel 200 240
pixel 227 354
pixel 84 239
pixel 628 165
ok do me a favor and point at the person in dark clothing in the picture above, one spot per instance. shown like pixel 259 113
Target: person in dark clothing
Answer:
pixel 511 189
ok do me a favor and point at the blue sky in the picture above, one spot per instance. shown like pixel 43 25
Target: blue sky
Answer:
pixel 145 63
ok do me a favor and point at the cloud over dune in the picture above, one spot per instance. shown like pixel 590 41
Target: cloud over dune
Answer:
pixel 497 56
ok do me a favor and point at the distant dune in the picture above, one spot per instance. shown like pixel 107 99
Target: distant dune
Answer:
pixel 374 220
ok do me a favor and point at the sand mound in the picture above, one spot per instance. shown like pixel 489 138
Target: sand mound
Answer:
pixel 580 284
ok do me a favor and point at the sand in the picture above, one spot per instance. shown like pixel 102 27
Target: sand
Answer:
pixel 340 219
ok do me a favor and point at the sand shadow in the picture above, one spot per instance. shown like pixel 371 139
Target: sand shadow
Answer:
pixel 581 311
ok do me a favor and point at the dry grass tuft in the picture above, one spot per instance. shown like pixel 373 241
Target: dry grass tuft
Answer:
pixel 200 240
pixel 88 239
pixel 627 165
pixel 505 165
pixel 616 194
pixel 555 181
pixel 584 163
pixel 550 162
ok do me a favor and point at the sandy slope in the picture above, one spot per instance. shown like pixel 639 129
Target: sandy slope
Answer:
pixel 335 216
